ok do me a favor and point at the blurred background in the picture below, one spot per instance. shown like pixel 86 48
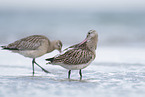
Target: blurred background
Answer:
pixel 119 67
pixel 118 22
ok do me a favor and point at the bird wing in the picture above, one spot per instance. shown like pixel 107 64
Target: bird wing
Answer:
pixel 28 43
pixel 74 57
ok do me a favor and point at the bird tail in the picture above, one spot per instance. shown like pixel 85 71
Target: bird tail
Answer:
pixel 3 47
pixel 7 48
pixel 50 60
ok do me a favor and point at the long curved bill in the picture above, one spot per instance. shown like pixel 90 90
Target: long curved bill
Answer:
pixel 83 41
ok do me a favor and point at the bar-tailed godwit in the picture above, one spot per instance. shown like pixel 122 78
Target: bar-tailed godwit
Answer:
pixel 78 56
pixel 34 46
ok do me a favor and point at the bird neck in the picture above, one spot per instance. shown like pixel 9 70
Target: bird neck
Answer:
pixel 92 44
pixel 52 46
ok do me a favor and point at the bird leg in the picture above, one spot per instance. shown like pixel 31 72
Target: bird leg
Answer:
pixel 80 74
pixel 33 67
pixel 40 66
pixel 69 72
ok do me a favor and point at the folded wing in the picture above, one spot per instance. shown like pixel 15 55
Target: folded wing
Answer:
pixel 29 43
pixel 74 57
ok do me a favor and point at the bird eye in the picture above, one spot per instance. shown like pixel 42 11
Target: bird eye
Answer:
pixel 89 33
pixel 58 45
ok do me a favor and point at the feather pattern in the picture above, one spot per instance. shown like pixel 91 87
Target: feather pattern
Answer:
pixel 28 43
pixel 74 55
pixel 33 47
pixel 78 56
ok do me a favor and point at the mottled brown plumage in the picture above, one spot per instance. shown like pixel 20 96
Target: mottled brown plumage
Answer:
pixel 28 43
pixel 78 56
pixel 34 46
pixel 75 56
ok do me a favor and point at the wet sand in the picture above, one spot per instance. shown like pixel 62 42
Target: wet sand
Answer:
pixel 116 72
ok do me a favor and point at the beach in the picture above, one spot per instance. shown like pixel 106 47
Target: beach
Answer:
pixel 116 72
pixel 118 69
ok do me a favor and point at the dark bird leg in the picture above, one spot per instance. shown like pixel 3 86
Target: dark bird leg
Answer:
pixel 33 67
pixel 69 72
pixel 40 66
pixel 80 74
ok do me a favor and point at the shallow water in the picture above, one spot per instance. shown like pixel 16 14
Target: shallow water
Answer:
pixel 116 77
pixel 98 80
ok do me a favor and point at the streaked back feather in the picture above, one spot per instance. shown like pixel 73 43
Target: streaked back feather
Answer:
pixel 28 43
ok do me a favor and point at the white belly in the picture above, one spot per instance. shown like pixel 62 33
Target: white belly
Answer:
pixel 33 53
pixel 75 67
